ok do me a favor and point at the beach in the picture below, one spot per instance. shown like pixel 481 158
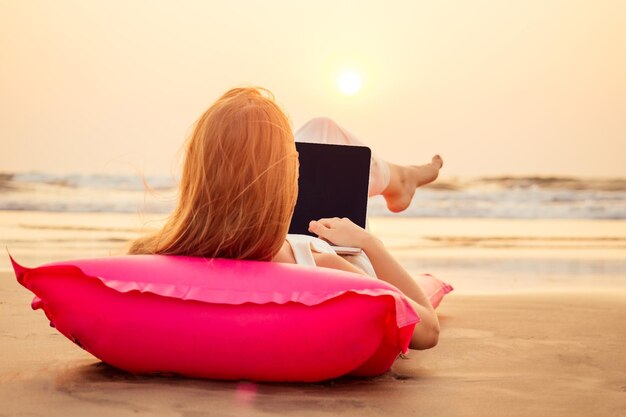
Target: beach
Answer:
pixel 495 131
pixel 535 326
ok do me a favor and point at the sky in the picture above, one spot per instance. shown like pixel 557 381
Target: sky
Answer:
pixel 534 87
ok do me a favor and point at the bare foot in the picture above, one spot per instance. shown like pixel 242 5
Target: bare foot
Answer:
pixel 405 179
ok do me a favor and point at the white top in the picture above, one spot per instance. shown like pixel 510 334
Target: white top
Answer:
pixel 303 245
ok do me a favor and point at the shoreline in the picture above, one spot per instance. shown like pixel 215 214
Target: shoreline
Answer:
pixel 477 256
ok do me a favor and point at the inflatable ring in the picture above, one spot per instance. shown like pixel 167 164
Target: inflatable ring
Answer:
pixel 223 318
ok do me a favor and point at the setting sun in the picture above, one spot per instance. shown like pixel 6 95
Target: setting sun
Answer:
pixel 349 83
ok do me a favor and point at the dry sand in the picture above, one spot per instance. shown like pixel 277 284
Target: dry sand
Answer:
pixel 557 353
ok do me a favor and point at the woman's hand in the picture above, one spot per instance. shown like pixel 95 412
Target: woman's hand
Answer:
pixel 340 232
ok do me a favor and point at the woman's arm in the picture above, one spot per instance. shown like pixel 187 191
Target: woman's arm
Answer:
pixel 345 233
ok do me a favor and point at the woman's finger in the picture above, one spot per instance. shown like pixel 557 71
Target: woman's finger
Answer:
pixel 330 222
pixel 318 228
pixel 324 222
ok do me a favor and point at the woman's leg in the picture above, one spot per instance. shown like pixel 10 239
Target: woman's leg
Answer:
pixel 325 130
pixel 396 183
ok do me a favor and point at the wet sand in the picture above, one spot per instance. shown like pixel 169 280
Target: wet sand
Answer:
pixel 555 353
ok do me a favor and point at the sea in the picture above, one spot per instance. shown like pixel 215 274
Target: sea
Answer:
pixel 503 197
pixel 479 234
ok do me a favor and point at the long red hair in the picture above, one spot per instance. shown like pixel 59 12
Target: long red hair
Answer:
pixel 238 186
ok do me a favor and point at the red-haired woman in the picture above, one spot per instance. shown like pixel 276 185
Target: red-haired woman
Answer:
pixel 239 187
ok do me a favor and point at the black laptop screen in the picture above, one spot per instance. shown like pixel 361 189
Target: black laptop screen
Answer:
pixel 333 183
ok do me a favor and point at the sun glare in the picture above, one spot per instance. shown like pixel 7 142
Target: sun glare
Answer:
pixel 349 83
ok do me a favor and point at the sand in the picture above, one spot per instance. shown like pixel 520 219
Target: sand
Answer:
pixel 535 327
pixel 553 353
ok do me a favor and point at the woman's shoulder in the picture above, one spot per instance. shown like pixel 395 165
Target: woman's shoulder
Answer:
pixel 322 253
pixel 302 246
pixel 317 244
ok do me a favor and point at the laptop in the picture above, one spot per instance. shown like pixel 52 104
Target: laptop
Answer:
pixel 333 182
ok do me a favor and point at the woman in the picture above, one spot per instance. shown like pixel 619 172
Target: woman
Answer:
pixel 238 190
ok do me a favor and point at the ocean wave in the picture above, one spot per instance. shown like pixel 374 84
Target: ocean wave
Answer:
pixel 493 197
pixel 92 181
pixel 163 182
pixel 531 182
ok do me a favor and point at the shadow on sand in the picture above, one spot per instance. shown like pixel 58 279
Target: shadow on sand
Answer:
pixel 100 384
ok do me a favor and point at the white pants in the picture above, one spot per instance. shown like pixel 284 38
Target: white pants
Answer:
pixel 325 130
